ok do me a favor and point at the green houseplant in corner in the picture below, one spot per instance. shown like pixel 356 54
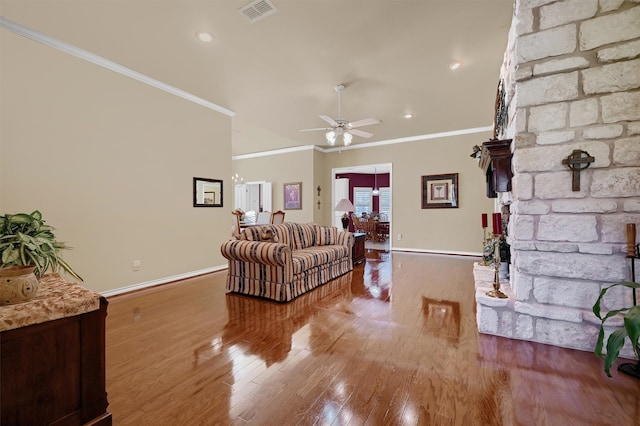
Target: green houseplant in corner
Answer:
pixel 25 240
pixel 615 342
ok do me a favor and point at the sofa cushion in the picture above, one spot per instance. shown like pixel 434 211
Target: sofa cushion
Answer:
pixel 303 235
pixel 310 257
pixel 264 233
pixel 326 235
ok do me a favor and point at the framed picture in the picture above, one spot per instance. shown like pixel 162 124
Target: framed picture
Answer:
pixel 207 192
pixel 293 196
pixel 440 191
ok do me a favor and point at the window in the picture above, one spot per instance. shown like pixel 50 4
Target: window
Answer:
pixel 362 200
pixel 385 204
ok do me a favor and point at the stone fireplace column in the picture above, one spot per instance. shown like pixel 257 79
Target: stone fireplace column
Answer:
pixel 572 82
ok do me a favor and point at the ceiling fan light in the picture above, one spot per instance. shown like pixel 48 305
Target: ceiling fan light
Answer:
pixel 347 138
pixel 331 137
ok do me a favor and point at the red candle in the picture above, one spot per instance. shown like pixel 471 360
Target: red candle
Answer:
pixel 497 224
pixel 484 220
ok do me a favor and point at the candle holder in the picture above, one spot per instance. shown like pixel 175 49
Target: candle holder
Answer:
pixel 496 276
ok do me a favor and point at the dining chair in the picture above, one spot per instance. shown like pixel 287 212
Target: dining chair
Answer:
pixel 235 225
pixel 277 217
pixel 263 218
pixel 357 225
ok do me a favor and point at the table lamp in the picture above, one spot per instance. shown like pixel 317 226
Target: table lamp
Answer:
pixel 346 206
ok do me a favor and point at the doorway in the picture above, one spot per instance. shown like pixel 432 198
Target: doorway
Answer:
pixel 358 184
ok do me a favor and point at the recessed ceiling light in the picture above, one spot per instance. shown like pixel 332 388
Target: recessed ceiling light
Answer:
pixel 455 65
pixel 204 36
pixel 408 115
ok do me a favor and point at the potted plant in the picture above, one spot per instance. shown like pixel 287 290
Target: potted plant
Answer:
pixel 615 342
pixel 25 240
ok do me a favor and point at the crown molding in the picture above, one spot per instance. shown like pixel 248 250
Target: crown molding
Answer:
pixel 105 63
pixel 366 145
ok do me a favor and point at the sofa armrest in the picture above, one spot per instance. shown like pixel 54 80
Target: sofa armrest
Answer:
pixel 256 251
pixel 346 238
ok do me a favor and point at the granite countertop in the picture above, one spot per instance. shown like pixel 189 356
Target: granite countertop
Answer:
pixel 56 298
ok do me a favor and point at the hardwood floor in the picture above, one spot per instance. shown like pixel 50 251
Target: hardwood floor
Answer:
pixel 394 342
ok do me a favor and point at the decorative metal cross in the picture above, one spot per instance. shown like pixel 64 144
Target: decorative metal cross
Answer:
pixel 577 161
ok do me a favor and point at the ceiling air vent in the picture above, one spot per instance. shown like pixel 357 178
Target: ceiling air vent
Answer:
pixel 258 9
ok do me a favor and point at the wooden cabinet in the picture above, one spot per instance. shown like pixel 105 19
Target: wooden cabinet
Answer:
pixel 53 372
pixel 495 162
pixel 358 253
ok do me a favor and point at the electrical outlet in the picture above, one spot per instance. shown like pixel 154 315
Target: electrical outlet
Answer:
pixel 399 237
pixel 136 265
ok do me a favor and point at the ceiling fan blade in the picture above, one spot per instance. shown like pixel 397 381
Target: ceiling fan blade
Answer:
pixel 317 128
pixel 360 133
pixel 330 120
pixel 364 122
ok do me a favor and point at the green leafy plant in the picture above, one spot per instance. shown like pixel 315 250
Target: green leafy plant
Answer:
pixel 25 239
pixel 616 340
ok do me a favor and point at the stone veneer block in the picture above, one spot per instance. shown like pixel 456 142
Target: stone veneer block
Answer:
pixel 633 128
pixel 530 207
pixel 612 28
pixel 573 265
pixel 506 324
pixel 487 319
pixel 548 117
pixel 524 227
pixel 604 249
pixel 603 132
pixel 544 44
pixel 624 51
pixel 546 311
pixel 522 285
pixel 554 138
pixel 583 112
pixel 563 12
pixel 609 5
pixel 557 185
pixel 627 152
pixel 560 65
pixel 548 158
pixel 584 206
pixel 616 77
pixel 523 245
pixel 613 228
pixel 523 73
pixel 631 206
pixel 551 88
pixel 524 22
pixel 557 247
pixel 524 327
pixel 566 334
pixel 620 107
pixel 522 186
pixel 573 293
pixel 619 182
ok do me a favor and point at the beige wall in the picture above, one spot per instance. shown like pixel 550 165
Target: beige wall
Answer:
pixel 280 169
pixel 442 230
pixel 110 161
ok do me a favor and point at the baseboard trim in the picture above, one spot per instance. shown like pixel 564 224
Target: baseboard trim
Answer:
pixel 435 251
pixel 161 281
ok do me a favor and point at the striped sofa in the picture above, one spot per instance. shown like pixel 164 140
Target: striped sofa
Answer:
pixel 281 262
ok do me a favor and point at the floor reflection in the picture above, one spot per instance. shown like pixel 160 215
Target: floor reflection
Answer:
pixel 442 318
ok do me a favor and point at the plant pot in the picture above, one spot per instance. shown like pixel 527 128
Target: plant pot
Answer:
pixel 18 284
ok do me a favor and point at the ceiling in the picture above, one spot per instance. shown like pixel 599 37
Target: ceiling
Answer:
pixel 278 73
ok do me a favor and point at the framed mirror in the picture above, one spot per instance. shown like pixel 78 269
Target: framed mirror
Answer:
pixel 207 192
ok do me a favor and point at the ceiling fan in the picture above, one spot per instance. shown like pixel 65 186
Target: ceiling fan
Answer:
pixel 340 126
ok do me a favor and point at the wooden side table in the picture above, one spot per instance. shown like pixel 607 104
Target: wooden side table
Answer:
pixel 52 357
pixel 358 250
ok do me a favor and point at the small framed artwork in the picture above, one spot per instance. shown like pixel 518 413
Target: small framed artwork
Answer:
pixel 440 191
pixel 293 196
